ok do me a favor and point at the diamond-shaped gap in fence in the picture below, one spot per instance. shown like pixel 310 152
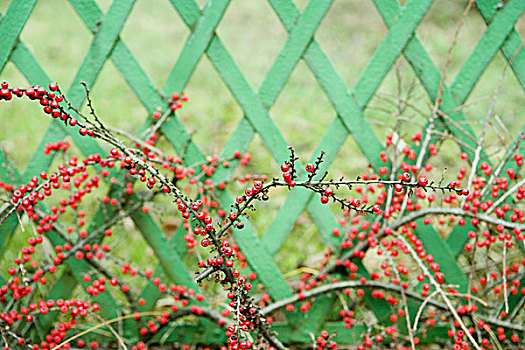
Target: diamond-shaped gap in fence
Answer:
pixel 349 35
pixel 302 111
pixel 63 44
pixel 307 245
pixel 250 47
pixel 505 121
pixel 520 27
pixel 123 110
pixel 155 40
pixel 349 161
pixel 16 242
pixel 131 246
pixel 210 123
pixel 399 97
pixel 261 163
pixel 20 118
pixel 201 3
pixel 438 46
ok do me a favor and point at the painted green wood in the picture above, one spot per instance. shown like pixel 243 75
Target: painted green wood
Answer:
pixel 11 26
pixel 287 334
pixel 268 269
pixel 7 228
pixel 122 57
pixel 345 104
pixel 486 48
pixel 169 259
pixel 514 300
pixel 151 292
pixel 100 49
pixel 430 78
pixel 109 307
pixel 300 44
pixel 511 45
pixel 63 288
pixel 458 237
pixel 298 39
pixel 195 45
pixel 434 245
pixel 390 48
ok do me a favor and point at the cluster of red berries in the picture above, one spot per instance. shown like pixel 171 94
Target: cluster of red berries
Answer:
pixel 206 224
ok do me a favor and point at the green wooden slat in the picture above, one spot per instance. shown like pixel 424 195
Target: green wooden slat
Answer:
pixel 458 237
pixel 289 335
pixel 195 45
pixel 170 260
pixel 299 37
pixel 389 49
pixel 513 299
pixel 100 49
pixel 80 267
pixel 486 48
pixel 11 26
pixel 121 56
pixel 430 78
pixel 442 254
pixel 511 45
pixel 346 106
pixel 298 199
pixel 63 288
pixel 10 224
pixel 189 11
pixel 151 293
pixel 385 55
pixel 427 72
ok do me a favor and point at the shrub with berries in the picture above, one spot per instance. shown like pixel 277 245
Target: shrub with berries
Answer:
pixel 388 281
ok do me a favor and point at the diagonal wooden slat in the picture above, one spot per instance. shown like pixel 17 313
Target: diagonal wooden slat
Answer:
pixel 25 61
pixel 486 48
pixel 430 78
pixel 372 76
pixel 94 59
pixel 109 306
pixel 195 46
pixel 299 44
pixel 11 26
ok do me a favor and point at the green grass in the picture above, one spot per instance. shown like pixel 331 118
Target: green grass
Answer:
pixel 250 30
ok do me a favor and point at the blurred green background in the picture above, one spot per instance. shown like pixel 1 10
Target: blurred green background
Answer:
pixel 252 33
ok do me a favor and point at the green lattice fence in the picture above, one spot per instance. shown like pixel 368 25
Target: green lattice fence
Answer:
pixel 300 44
